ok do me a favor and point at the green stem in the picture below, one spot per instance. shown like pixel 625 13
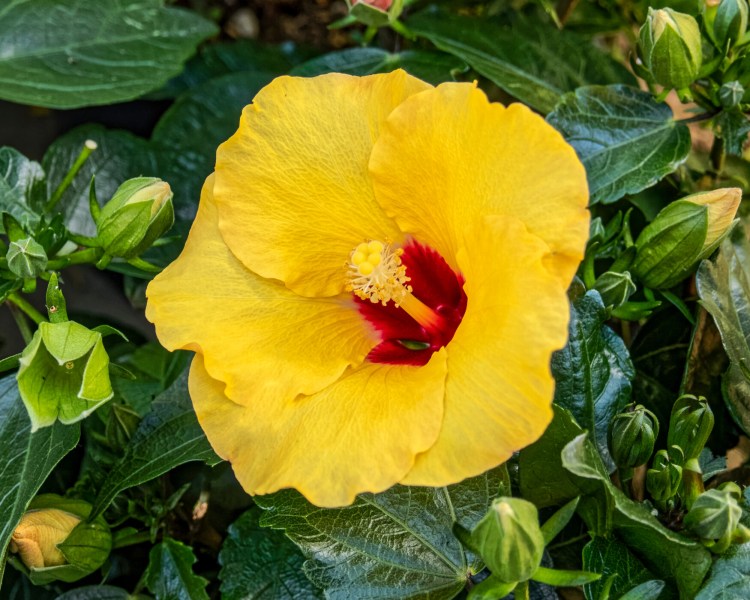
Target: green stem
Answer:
pixel 522 591
pixel 588 274
pixel 21 322
pixel 88 256
pixel 27 308
pixel 718 155
pixel 88 147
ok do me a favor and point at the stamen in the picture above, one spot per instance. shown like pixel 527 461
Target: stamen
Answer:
pixel 376 274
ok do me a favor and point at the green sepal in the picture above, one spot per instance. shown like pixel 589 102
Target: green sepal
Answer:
pixel 13 228
pixel 26 258
pixel 56 306
pixel 557 522
pixel 63 374
pixel 94 207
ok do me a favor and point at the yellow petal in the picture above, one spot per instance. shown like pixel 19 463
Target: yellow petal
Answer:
pixel 499 387
pixel 360 434
pixel 446 156
pixel 292 185
pixel 261 339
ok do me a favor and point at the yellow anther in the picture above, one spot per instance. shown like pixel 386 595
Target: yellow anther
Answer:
pixel 365 268
pixel 358 257
pixel 374 259
pixel 375 247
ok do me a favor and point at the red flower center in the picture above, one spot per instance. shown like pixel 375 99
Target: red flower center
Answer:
pixel 433 282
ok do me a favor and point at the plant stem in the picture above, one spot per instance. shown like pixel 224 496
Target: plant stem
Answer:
pixel 522 591
pixel 90 255
pixel 88 147
pixel 718 155
pixel 27 308
pixel 20 320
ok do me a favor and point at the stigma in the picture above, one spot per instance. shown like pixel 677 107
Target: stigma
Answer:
pixel 375 272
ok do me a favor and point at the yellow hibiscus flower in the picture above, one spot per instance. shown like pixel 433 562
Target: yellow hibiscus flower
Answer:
pixel 374 284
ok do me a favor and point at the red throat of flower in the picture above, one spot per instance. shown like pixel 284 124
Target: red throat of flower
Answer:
pixel 421 320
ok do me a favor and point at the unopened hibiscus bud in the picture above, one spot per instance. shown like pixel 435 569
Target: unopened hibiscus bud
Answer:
pixel 614 288
pixel 26 258
pixel 379 4
pixel 375 13
pixel 690 425
pixel 670 47
pixel 54 541
pixel 509 539
pixel 632 436
pixel 715 517
pixel 731 93
pixel 664 477
pixel 726 21
pixel 682 234
pixel 138 214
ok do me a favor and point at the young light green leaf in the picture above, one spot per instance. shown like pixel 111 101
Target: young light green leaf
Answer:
pixel 434 67
pixel 261 564
pixel 593 372
pixel 28 458
pixel 609 556
pixel 491 589
pixel 21 187
pixel 557 522
pixel 724 288
pixel 107 52
pixel 729 577
pixel 625 139
pixel 397 544
pixel 167 437
pixel 534 62
pixel 169 575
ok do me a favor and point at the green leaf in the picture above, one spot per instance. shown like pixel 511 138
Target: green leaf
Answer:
pixel 224 58
pixel 609 556
pixel 28 458
pixel 724 288
pixel 97 592
pixel 167 437
pixel 434 67
pixel 648 590
pixel 733 127
pixel 21 182
pixel 557 522
pixel 71 53
pixel 397 544
pixel 261 564
pixel 119 156
pixel 669 555
pixel 593 372
pixel 563 578
pixel 169 575
pixel 729 578
pixel 626 140
pixel 535 62
pixel 491 589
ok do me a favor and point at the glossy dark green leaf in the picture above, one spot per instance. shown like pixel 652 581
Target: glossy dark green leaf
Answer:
pixel 167 437
pixel 724 288
pixel 28 458
pixel 609 556
pixel 261 564
pixel 21 182
pixel 434 67
pixel 593 372
pixel 97 592
pixel 626 140
pixel 533 61
pixel 397 544
pixel 119 156
pixel 216 60
pixel 667 554
pixel 733 127
pixel 729 578
pixel 169 575
pixel 70 53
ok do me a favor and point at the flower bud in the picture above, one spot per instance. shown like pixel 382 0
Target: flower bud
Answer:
pixel 670 47
pixel 138 214
pixel 614 288
pixel 379 4
pixel 682 234
pixel 726 22
pixel 375 13
pixel 690 425
pixel 55 542
pixel 664 477
pixel 731 93
pixel 509 539
pixel 26 258
pixel 714 517
pixel 63 374
pixel 632 436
